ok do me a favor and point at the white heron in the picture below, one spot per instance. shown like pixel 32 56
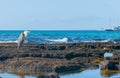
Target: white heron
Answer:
pixel 21 40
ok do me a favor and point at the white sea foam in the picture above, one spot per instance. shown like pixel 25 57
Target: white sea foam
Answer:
pixel 64 40
pixel 102 41
pixel 12 41
pixel 8 41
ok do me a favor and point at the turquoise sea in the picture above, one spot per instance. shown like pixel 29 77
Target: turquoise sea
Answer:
pixel 63 36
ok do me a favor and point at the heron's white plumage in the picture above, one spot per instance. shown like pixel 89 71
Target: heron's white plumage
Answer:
pixel 22 38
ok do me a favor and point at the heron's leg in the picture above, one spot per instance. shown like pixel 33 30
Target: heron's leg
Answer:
pixel 18 54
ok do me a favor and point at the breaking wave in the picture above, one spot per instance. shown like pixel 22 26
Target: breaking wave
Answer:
pixel 8 41
pixel 12 41
pixel 63 40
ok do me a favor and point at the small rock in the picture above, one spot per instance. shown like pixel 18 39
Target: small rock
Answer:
pixel 49 75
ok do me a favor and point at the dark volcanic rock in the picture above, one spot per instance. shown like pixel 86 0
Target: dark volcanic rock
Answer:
pixel 67 68
pixel 49 75
pixel 58 57
pixel 109 65
pixel 113 65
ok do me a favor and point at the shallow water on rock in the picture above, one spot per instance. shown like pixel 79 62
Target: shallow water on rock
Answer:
pixel 89 73
pixel 8 75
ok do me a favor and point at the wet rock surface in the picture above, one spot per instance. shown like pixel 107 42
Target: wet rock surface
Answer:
pixel 49 75
pixel 53 57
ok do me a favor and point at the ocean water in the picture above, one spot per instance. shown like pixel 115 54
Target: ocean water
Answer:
pixel 54 36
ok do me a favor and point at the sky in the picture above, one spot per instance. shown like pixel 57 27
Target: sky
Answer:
pixel 59 14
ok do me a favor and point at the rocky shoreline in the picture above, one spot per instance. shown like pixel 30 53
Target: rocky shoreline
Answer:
pixel 40 58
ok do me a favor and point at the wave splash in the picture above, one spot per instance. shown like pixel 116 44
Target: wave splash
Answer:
pixel 8 41
pixel 64 40
pixel 16 41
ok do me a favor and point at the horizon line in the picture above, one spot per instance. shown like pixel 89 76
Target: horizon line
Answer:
pixel 48 29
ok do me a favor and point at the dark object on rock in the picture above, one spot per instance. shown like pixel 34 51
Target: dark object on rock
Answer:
pixel 113 65
pixel 49 75
pixel 68 68
pixel 109 65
